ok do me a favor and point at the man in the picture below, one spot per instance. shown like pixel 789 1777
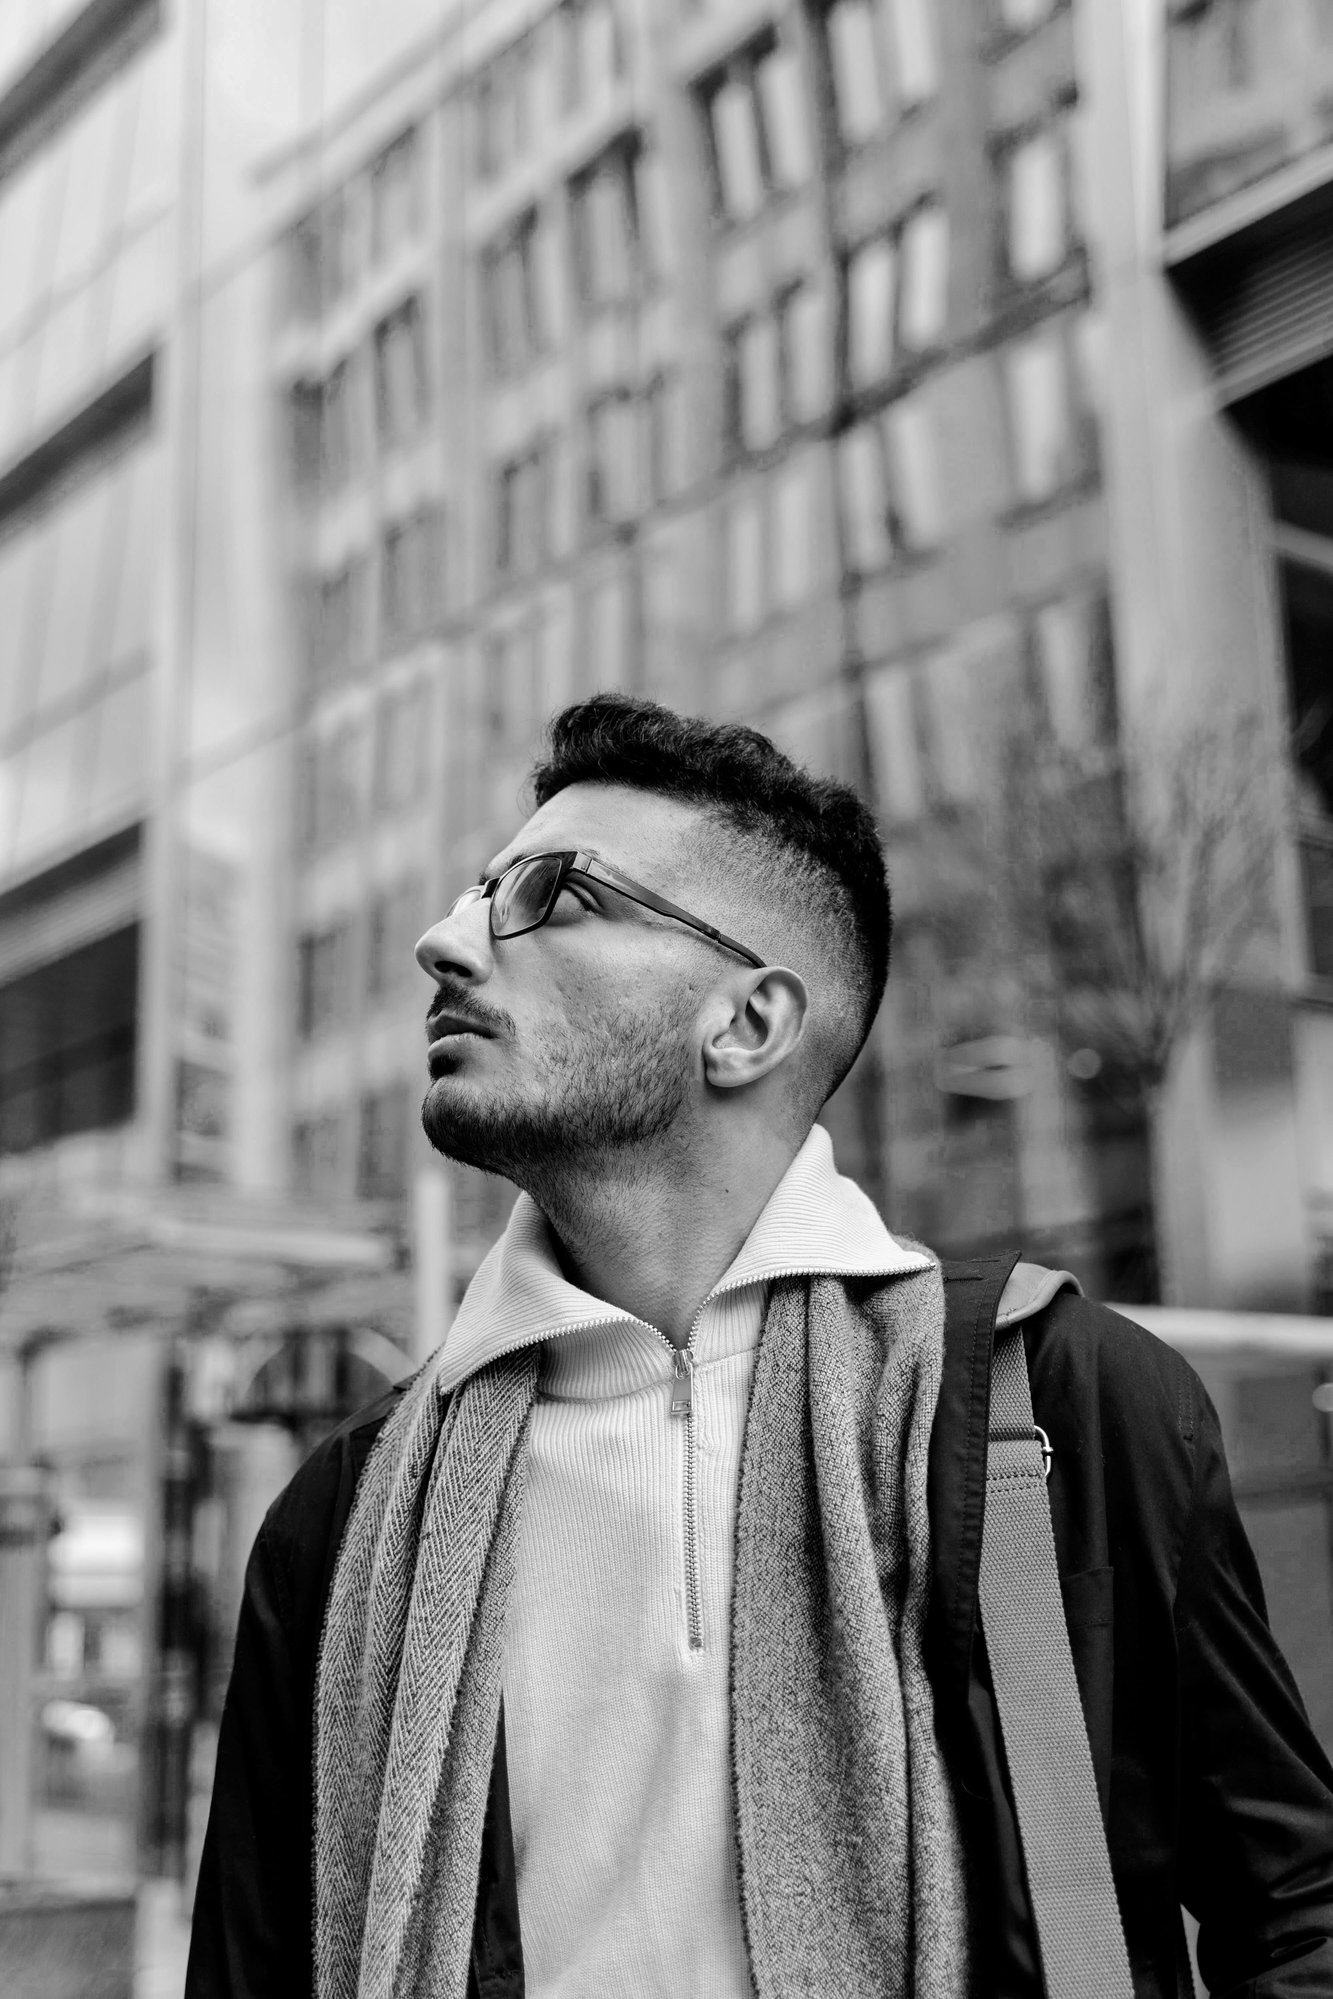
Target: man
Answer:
pixel 632 1647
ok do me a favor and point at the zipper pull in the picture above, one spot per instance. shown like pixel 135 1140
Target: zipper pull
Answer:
pixel 682 1382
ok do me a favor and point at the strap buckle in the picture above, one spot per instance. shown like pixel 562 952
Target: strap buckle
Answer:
pixel 1046 1452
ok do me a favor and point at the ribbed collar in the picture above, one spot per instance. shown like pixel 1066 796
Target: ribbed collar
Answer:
pixel 816 1222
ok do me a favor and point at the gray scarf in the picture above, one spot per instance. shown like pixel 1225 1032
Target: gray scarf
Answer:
pixel 849 1861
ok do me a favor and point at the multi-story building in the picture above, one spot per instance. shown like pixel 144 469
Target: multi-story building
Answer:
pixel 143 848
pixel 745 356
pixel 87 213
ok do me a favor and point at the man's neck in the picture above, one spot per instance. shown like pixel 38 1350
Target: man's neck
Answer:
pixel 653 1237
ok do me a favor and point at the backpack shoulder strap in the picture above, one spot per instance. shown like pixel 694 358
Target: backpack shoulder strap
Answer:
pixel 1068 1866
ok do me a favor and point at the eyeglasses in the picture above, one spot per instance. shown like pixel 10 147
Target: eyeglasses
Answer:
pixel 523 898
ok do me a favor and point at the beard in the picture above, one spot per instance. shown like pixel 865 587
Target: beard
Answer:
pixel 621 1085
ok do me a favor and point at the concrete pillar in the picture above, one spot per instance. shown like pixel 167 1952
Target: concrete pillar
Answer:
pixel 24 1523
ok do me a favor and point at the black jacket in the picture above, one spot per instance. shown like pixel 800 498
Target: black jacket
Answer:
pixel 1214 1790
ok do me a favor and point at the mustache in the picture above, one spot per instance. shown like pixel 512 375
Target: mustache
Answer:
pixel 460 1004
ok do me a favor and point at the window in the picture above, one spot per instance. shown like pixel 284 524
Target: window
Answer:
pixel 337 636
pixel 522 526
pixel 652 207
pixel 1052 436
pixel 772 539
pixel 510 679
pixel 803 319
pixel 777 368
pixel 613 459
pixel 608 631
pixel 864 497
pixel 912 457
pixel 1306 593
pixel 332 786
pixel 323 970
pixel 395 922
pixel 410 592
pixel 1071 646
pixel 855 69
pixel 891 713
pixel 605 227
pixel 304 404
pixel 890 487
pixel 792 532
pixel 1038 222
pixel 783 118
pixel 754 370
pixel 402 744
pixel 897 295
pixel 381 1156
pixel 304 289
pixel 661 417
pixel 394 197
pixel 743 555
pixel 591 56
pixel 915 62
pixel 871 275
pixel 1021 15
pixel 923 306
pixel 400 375
pixel 664 619
pixel 338 219
pixel 68 1036
pixel 512 299
pixel 323 428
pixel 758 129
pixel 503 106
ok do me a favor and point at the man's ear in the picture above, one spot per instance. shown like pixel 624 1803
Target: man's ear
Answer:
pixel 755 1021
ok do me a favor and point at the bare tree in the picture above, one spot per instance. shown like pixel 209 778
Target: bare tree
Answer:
pixel 1135 881
pixel 1096 899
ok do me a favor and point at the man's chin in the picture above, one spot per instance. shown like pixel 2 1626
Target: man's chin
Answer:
pixel 463 1128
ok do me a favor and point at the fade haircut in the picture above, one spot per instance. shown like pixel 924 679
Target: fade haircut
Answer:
pixel 807 843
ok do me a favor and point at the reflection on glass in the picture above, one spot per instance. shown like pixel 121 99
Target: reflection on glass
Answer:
pixel 50 810
pixel 118 766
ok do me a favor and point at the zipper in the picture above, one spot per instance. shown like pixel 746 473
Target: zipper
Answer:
pixel 682 1409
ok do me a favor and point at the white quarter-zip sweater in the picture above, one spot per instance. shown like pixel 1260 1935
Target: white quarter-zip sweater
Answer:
pixel 616 1644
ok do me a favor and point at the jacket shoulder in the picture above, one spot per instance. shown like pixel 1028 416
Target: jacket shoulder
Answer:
pixel 1131 1371
pixel 302 1529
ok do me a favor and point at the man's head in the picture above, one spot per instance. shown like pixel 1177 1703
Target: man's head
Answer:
pixel 614 1027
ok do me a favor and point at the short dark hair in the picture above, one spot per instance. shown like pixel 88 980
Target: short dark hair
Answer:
pixel 823 841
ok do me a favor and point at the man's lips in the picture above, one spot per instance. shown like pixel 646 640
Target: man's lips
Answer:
pixel 446 1030
pixel 441 1025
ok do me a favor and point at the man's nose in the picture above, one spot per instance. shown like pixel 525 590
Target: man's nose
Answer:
pixel 459 944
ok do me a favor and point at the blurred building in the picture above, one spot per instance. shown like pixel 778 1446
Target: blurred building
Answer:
pixel 373 380
pixel 172 1330
pixel 746 356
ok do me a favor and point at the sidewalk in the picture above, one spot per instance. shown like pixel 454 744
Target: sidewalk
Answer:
pixel 78 1846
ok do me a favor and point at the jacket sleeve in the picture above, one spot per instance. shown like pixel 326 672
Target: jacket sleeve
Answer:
pixel 1257 1791
pixel 252 1911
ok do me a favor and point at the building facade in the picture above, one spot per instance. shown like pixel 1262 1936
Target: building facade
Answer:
pixel 746 357
pixel 884 373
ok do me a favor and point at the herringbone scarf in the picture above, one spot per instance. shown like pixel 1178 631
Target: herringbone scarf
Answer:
pixel 849 1860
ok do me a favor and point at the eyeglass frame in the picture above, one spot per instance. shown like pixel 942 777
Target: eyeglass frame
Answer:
pixel 574 861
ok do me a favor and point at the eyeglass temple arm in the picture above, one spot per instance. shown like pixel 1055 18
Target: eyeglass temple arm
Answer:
pixel 584 864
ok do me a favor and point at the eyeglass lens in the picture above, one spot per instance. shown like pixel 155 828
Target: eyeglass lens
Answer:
pixel 523 895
